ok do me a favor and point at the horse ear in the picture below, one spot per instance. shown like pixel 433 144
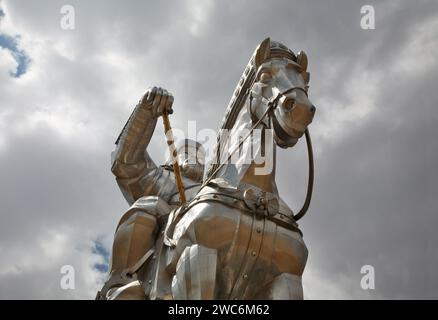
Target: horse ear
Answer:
pixel 262 52
pixel 302 60
pixel 306 76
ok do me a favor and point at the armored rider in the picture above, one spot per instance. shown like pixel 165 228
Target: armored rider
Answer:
pixel 150 191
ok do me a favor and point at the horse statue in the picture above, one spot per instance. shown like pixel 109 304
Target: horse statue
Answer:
pixel 235 238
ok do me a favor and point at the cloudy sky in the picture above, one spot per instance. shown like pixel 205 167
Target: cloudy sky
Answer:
pixel 65 95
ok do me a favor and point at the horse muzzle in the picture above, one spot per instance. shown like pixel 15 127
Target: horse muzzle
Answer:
pixel 290 124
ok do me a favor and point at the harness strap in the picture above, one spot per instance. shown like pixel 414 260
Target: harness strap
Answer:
pixel 243 201
pixel 274 103
pixel 131 271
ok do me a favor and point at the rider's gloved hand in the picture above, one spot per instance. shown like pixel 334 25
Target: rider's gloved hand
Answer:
pixel 158 100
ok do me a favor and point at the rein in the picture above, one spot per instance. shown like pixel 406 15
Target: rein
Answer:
pixel 272 104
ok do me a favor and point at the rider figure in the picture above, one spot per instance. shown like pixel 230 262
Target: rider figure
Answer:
pixel 149 189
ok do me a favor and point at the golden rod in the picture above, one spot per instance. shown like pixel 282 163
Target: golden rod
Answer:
pixel 170 142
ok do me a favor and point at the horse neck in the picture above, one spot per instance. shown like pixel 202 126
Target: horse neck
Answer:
pixel 246 168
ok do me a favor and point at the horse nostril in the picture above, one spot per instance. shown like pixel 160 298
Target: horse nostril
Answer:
pixel 312 109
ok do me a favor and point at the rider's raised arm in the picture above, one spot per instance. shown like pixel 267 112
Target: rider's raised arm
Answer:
pixel 130 162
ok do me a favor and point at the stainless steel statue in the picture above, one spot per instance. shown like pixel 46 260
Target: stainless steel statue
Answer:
pixel 234 238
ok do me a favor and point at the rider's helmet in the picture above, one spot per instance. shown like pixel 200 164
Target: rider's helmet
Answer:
pixel 191 158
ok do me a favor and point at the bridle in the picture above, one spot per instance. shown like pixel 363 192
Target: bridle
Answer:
pixel 272 103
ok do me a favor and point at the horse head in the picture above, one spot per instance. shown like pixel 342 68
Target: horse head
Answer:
pixel 281 84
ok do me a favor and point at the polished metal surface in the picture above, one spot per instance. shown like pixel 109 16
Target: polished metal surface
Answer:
pixel 235 238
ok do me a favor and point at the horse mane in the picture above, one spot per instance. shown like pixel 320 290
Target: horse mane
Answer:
pixel 265 51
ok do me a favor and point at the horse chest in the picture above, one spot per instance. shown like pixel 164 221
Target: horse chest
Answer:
pixel 251 248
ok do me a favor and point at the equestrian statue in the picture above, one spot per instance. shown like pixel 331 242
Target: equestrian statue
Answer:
pixel 221 231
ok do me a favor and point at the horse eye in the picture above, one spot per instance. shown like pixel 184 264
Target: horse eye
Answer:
pixel 289 104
